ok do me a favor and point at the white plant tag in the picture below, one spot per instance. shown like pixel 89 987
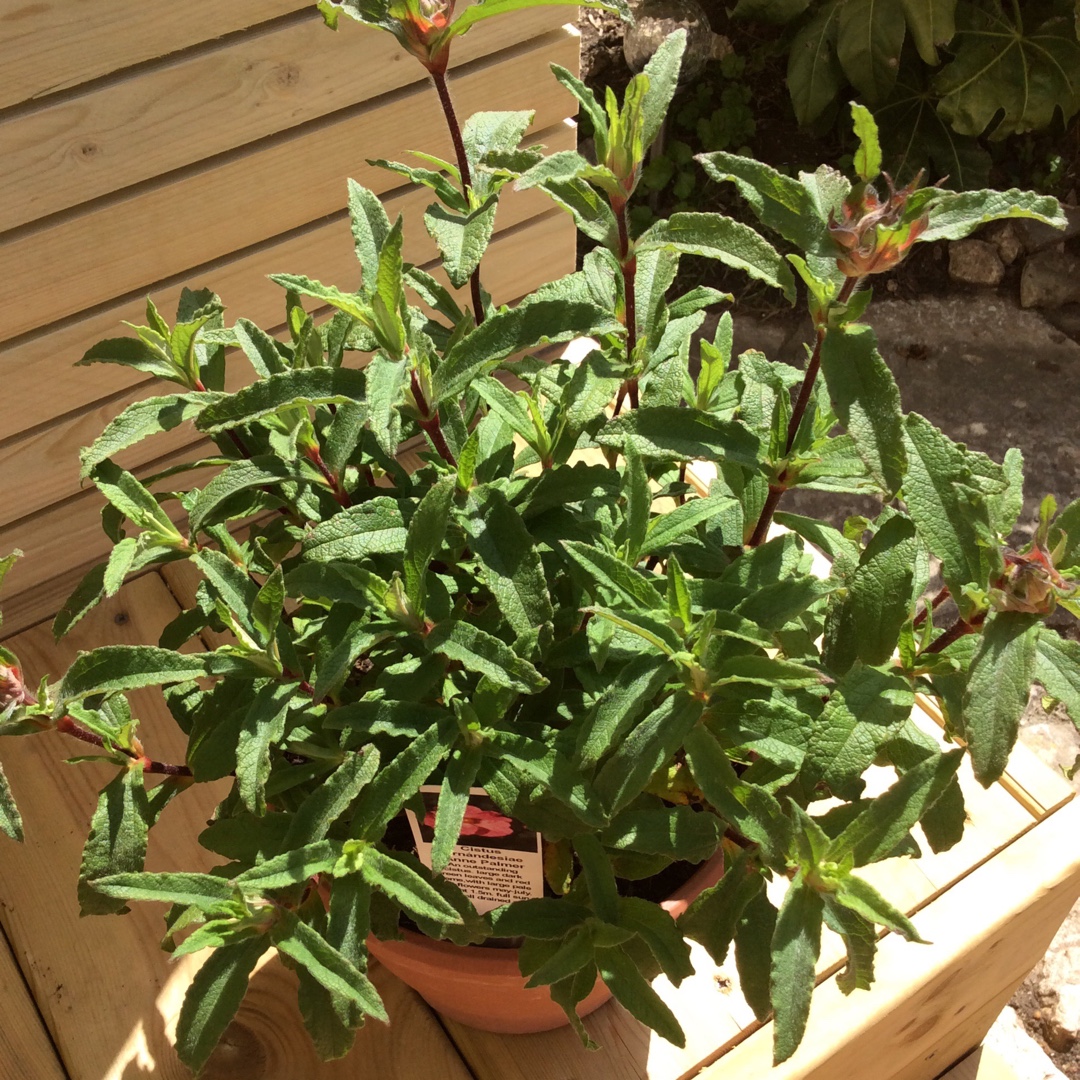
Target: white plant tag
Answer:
pixel 496 859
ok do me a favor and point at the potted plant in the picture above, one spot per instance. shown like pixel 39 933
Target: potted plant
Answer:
pixel 543 634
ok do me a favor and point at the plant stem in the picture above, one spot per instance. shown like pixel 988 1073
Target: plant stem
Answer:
pixel 443 90
pixel 958 630
pixel 431 425
pixel 72 727
pixel 937 601
pixel 628 263
pixel 777 489
pixel 340 494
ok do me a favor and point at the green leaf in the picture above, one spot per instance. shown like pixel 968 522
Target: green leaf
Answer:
pixel 865 624
pixel 351 303
pixel 304 387
pixel 290 867
pixel 510 564
pixel 486 655
pixel 531 323
pixel 375 527
pixel 931 23
pixel 1023 68
pixel 676 831
pixel 86 596
pixel 942 490
pixel 1057 667
pixel 10 818
pixel 460 776
pixel 263 726
pixel 865 710
pixel 263 351
pixel 796 945
pixel 462 239
pixel 133 501
pixel 662 71
pixel 717 237
pixel 332 798
pixel 308 948
pixel 866 400
pixel 862 898
pixel 212 999
pixel 634 993
pixel 611 578
pixel 370 226
pixel 127 667
pixel 665 529
pixel 753 953
pixel 870 35
pixel 647 748
pixel 134 353
pixel 886 820
pixel 955 214
pixel 406 887
pixel 636 683
pixel 397 782
pixel 814 77
pixel 140 419
pixel 860 942
pixel 751 809
pixel 673 434
pixel 712 918
pixel 868 156
pixel 779 202
pixel 999 681
pixel 424 538
pixel 207 892
pixel 117 840
pixel 264 471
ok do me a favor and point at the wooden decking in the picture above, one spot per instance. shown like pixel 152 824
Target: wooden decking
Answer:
pixel 96 999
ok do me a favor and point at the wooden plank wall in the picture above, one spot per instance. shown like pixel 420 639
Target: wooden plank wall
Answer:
pixel 146 146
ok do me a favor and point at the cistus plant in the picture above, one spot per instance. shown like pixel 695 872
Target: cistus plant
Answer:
pixel 546 608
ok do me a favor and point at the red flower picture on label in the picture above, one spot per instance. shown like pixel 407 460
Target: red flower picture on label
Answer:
pixel 478 822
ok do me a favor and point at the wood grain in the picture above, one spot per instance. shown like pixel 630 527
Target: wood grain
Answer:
pixel 212 101
pixel 65 540
pixel 25 1050
pixel 51 45
pixel 146 236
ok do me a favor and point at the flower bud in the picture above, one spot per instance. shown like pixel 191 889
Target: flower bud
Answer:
pixel 12 688
pixel 874 235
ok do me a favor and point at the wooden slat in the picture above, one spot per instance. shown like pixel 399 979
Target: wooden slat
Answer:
pixel 213 101
pixel 1038 789
pixel 135 242
pixel 932 1003
pixel 50 45
pixel 48 457
pixel 110 996
pixel 66 540
pixel 25 1050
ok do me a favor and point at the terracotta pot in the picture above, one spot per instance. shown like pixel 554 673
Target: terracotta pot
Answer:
pixel 484 987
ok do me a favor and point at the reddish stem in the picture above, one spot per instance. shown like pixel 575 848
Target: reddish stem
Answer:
pixel 69 726
pixel 439 79
pixel 937 601
pixel 777 489
pixel 431 425
pixel 958 630
pixel 340 494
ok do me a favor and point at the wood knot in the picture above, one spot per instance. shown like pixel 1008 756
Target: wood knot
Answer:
pixel 238 1056
pixel 287 75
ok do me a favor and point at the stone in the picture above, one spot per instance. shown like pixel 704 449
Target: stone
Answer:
pixel 1024 1056
pixel 1003 235
pixel 975 262
pixel 1038 236
pixel 1049 280
pixel 1055 985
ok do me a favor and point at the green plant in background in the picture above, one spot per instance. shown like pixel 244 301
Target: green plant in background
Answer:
pixel 938 74
pixel 545 608
pixel 701 122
